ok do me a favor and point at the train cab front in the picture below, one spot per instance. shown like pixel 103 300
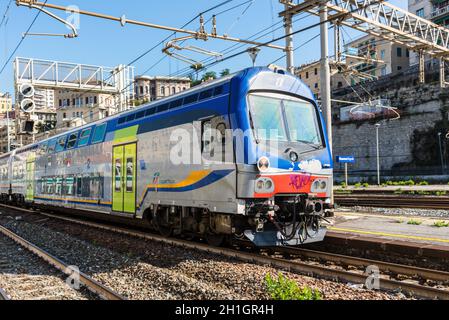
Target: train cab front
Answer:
pixel 285 181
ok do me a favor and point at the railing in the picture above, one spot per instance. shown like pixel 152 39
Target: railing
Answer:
pixel 439 12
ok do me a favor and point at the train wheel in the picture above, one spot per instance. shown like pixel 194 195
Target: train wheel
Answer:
pixel 215 240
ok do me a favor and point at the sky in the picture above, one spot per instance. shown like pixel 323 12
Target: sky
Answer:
pixel 107 43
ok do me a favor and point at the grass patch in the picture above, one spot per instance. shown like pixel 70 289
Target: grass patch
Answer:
pixel 414 222
pixel 283 288
pixel 441 224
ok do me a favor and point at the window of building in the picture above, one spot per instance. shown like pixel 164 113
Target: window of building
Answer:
pixel 407 53
pixel 420 12
pixel 60 102
pixel 399 68
pixel 307 75
pixel 399 52
pixel 141 89
pixel 316 85
pixel 316 71
pixel 173 90
pixel 340 84
pixel 383 71
pixel 382 54
pixel 95 100
pixel 162 91
pixel 99 133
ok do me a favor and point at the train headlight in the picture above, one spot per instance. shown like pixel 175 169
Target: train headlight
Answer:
pixel 264 185
pixel 263 164
pixel 319 185
pixel 293 156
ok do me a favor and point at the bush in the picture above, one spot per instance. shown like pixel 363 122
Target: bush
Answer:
pixel 283 288
pixel 414 222
pixel 441 224
pixel 357 185
pixel 423 183
pixel 366 185
pixel 343 185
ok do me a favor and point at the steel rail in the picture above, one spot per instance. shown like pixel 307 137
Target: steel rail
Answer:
pixel 87 281
pixel 292 266
pixel 388 267
pixel 4 295
pixel 389 201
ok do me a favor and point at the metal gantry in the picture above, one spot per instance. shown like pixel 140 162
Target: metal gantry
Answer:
pixel 385 21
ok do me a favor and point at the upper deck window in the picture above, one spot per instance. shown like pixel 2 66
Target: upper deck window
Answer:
pixel 71 142
pixel 84 137
pixel 99 133
pixel 206 94
pixel 51 146
pixel 61 144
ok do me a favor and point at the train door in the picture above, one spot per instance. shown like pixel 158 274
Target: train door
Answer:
pixel 124 178
pixel 30 168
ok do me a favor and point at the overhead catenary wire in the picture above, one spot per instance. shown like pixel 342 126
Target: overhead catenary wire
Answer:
pixel 21 41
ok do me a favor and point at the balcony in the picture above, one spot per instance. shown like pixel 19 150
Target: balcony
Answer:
pixel 439 13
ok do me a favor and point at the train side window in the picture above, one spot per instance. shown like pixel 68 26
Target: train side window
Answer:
pixel 218 91
pixel 50 186
pixel 118 175
pixel 150 111
pixel 71 142
pixel 129 174
pixel 122 120
pixel 191 99
pixel 69 186
pixel 176 103
pixel 140 115
pixel 85 188
pixel 84 137
pixel 131 117
pixel 61 144
pixel 162 107
pixel 99 133
pixel 78 186
pixel 58 189
pixel 206 137
pixel 206 94
pixel 51 146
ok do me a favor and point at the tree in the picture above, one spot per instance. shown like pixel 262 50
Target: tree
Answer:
pixel 225 72
pixel 209 75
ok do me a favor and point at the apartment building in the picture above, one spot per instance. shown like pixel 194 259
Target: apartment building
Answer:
pixel 153 88
pixel 78 107
pixel 5 102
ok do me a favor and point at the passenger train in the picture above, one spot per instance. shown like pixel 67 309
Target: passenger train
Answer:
pixel 245 156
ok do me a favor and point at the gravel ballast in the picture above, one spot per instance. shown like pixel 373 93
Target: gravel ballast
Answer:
pixel 143 269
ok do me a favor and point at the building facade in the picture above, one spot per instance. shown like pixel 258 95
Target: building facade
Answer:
pixel 7 128
pixel 5 102
pixel 310 75
pixel 154 88
pixel 436 11
pixel 391 58
pixel 77 107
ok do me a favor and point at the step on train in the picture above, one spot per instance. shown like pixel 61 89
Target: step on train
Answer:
pixel 242 157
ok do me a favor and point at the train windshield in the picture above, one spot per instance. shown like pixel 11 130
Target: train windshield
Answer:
pixel 285 119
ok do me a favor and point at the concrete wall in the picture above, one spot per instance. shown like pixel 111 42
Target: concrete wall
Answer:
pixel 408 146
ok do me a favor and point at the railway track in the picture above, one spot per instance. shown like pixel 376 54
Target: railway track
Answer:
pixel 393 201
pixel 89 283
pixel 412 283
pixel 3 295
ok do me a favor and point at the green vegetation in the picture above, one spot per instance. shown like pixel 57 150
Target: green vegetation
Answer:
pixel 414 222
pixel 357 185
pixel 343 185
pixel 283 288
pixel 423 183
pixel 441 224
pixel 401 183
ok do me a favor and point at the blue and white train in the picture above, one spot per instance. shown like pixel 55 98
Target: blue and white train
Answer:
pixel 245 156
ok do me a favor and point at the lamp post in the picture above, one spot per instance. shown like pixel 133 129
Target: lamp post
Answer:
pixel 441 153
pixel 378 156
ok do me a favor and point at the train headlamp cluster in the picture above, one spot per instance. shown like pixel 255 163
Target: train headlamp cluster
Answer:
pixel 263 164
pixel 293 156
pixel 319 185
pixel 264 185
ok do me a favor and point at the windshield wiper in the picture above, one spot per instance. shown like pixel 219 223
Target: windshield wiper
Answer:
pixel 311 144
